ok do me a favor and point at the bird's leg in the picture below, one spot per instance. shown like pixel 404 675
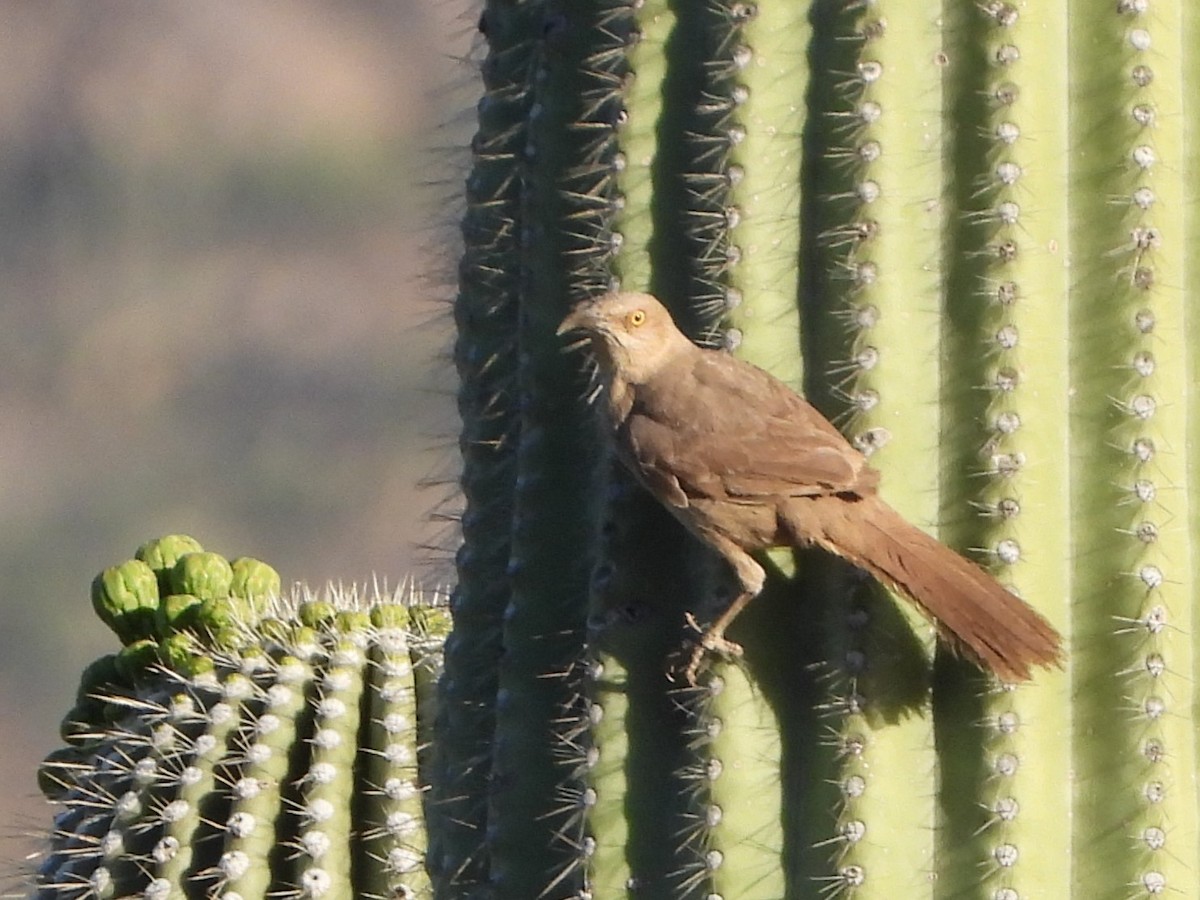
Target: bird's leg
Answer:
pixel 712 639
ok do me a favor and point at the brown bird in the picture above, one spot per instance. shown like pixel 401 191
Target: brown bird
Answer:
pixel 746 464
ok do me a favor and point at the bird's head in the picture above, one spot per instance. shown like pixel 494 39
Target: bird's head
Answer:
pixel 631 334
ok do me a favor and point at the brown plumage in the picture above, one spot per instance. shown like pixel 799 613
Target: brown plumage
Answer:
pixel 746 464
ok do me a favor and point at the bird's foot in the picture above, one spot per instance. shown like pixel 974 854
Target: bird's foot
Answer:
pixel 710 641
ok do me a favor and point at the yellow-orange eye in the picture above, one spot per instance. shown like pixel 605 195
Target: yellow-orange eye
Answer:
pixel 636 318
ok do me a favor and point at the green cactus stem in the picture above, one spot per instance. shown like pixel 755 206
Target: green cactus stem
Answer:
pixel 289 764
pixel 963 232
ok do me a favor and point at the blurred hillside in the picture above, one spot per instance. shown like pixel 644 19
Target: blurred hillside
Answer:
pixel 222 272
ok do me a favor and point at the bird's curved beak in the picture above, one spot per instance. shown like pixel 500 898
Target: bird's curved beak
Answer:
pixel 582 318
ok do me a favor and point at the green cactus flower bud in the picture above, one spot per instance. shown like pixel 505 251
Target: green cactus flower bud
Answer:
pixel 161 554
pixel 254 580
pixel 176 651
pixel 315 613
pixel 216 615
pixel 178 612
pixel 99 677
pixel 227 638
pixel 224 622
pixel 198 665
pixel 207 575
pixel 353 620
pixel 390 615
pixel 136 659
pixel 125 598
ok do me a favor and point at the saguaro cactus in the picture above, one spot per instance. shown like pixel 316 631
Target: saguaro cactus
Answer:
pixel 243 745
pixel 962 231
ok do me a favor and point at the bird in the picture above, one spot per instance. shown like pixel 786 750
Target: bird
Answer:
pixel 746 464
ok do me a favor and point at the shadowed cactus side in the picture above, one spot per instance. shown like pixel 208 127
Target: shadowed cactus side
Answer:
pixel 244 744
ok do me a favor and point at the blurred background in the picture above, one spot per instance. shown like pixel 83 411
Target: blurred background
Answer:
pixel 226 233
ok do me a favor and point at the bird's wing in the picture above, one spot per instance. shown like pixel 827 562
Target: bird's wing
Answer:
pixel 715 426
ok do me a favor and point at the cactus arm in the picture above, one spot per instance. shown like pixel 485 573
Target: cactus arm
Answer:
pixel 247 772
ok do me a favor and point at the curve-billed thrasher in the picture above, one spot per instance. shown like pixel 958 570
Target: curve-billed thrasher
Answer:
pixel 746 464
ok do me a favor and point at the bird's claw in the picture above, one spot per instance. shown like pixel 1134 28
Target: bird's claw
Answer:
pixel 709 642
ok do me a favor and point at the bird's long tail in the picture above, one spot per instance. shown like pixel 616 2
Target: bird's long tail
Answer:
pixel 970 608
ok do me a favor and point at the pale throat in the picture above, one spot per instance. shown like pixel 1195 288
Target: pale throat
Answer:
pixel 617 389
